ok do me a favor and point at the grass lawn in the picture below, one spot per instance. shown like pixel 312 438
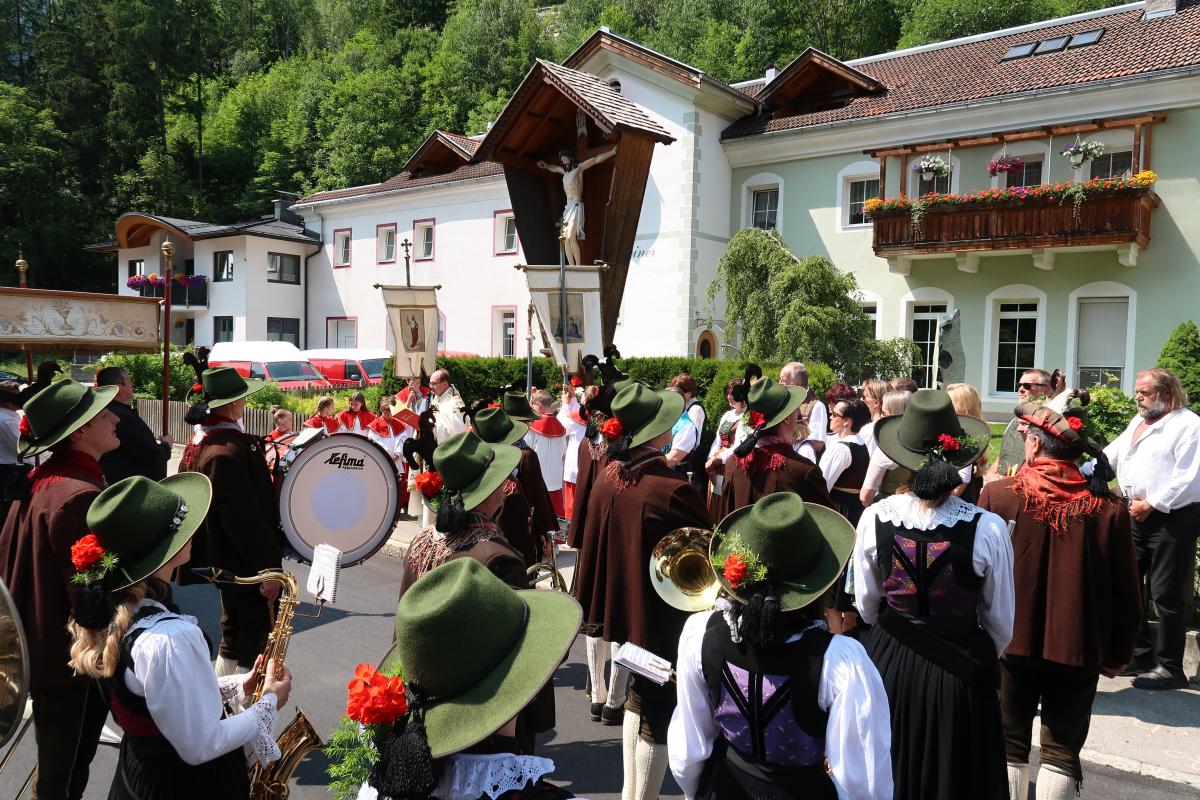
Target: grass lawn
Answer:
pixel 997 436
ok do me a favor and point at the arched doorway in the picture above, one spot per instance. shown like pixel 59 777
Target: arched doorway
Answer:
pixel 706 345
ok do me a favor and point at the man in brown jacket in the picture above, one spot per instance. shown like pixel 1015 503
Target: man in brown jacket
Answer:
pixel 241 533
pixel 1078 597
pixel 70 420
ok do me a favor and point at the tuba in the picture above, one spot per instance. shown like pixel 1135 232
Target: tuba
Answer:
pixel 299 736
pixel 680 570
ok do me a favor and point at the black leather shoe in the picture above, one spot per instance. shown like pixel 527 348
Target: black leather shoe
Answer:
pixel 596 711
pixel 1160 678
pixel 1135 668
pixel 612 716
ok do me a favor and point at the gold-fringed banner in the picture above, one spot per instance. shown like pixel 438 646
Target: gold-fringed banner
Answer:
pixel 413 315
pixel 46 321
pixel 581 333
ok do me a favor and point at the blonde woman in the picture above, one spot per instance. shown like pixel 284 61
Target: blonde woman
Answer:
pixel 324 417
pixel 883 475
pixel 151 661
pixel 872 394
pixel 966 401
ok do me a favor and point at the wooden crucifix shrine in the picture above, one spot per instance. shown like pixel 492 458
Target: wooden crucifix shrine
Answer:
pixel 576 156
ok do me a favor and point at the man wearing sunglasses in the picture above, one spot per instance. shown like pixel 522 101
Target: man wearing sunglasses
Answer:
pixel 1033 387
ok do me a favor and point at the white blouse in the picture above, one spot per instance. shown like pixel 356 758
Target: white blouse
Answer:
pixel 857 738
pixel 185 698
pixel 739 433
pixel 992 558
pixel 467 777
pixel 837 457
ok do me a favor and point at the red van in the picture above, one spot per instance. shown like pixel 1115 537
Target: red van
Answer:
pixel 279 362
pixel 351 366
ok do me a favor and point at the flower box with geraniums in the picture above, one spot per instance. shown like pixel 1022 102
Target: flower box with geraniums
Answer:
pixel 1080 153
pixel 931 167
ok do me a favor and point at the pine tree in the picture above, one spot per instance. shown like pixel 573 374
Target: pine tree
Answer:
pixel 1181 355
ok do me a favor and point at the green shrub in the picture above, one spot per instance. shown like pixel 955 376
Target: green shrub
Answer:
pixel 145 369
pixel 1109 412
pixel 1181 355
pixel 269 395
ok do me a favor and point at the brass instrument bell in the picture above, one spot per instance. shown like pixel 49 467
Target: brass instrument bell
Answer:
pixel 680 570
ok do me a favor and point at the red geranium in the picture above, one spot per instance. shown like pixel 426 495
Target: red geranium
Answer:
pixel 429 483
pixel 493 405
pixel 948 442
pixel 197 388
pixel 373 698
pixel 576 381
pixel 86 553
pixel 756 419
pixel 735 570
pixel 612 429
pixel 1075 423
pixel 24 426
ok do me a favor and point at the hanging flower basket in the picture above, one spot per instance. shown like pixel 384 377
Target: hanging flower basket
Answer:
pixel 1004 164
pixel 184 279
pixel 1080 153
pixel 136 281
pixel 931 167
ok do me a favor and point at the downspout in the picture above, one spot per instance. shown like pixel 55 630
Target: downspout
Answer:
pixel 320 244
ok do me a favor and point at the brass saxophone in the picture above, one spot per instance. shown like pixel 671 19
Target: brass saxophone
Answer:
pixel 271 781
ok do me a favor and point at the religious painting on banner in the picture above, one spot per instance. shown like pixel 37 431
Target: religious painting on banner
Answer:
pixel 575 320
pixel 583 330
pixel 412 314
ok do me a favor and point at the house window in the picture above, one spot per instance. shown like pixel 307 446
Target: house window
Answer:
pixel 385 244
pixel 504 331
pixel 1100 348
pixel 341 333
pixel 506 233
pixel 223 265
pixel 1030 173
pixel 283 268
pixel 137 266
pixel 222 329
pixel 1016 344
pixel 925 319
pixel 341 248
pixel 765 209
pixel 1113 165
pixel 860 192
pixel 441 332
pixel 871 311
pixel 283 329
pixel 939 185
pixel 423 236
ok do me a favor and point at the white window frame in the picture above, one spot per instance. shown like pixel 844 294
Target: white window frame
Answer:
pixel 758 182
pixel 1102 289
pixel 771 215
pixel 1113 140
pixel 498 313
pixel 922 296
pixel 382 233
pixel 419 228
pixel 866 297
pixel 1108 154
pixel 217 266
pixel 1012 293
pixel 1030 147
pixel 343 248
pixel 858 171
pixel 333 335
pixel 914 178
pixel 500 222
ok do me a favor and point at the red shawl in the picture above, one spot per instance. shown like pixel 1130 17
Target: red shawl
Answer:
pixel 364 417
pixel 387 427
pixel 62 464
pixel 1056 493
pixel 548 426
pixel 770 454
pixel 330 424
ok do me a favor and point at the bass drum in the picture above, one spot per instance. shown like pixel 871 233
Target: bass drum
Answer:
pixel 341 490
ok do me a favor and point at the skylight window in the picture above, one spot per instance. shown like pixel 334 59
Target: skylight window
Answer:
pixel 1020 50
pixel 1086 38
pixel 1051 45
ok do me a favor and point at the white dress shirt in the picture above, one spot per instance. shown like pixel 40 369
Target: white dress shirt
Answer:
pixel 818 422
pixel 575 432
pixel 992 558
pixel 1163 466
pixel 172 671
pixel 857 737
pixel 837 457
pixel 687 438
pixel 867 434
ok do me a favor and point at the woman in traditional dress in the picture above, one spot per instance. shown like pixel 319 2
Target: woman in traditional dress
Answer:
pixel 152 661
pixel 934 575
pixel 771 705
pixel 766 461
pixel 873 391
pixel 730 431
pixel 884 476
pixel 966 401
pixel 324 418
pixel 844 465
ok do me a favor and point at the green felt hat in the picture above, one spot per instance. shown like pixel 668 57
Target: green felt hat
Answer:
pixel 516 405
pixel 470 466
pixel 911 438
pixel 802 546
pixel 59 410
pixel 774 400
pixel 644 413
pixel 144 524
pixel 479 651
pixel 494 426
pixel 223 385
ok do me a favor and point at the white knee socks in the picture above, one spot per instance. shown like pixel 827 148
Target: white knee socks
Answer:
pixel 595 664
pixel 618 681
pixel 1053 784
pixel 1018 781
pixel 227 666
pixel 644 765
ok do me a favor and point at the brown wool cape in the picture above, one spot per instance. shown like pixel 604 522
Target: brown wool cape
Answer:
pixel 591 463
pixel 527 512
pixel 797 474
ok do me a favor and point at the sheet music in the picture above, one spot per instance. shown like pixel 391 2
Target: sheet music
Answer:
pixel 641 661
pixel 323 574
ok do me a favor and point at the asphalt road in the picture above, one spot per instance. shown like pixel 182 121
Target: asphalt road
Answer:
pixel 324 651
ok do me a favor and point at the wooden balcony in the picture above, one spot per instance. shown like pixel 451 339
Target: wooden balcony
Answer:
pixel 195 296
pixel 1114 221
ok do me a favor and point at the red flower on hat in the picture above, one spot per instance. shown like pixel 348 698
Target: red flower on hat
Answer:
pixel 735 570
pixel 429 483
pixel 1075 423
pixel 576 381
pixel 756 419
pixel 373 698
pixel 493 405
pixel 86 553
pixel 197 387
pixel 612 429
pixel 948 443
pixel 24 426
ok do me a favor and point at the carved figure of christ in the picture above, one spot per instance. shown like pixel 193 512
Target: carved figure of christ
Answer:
pixel 572 219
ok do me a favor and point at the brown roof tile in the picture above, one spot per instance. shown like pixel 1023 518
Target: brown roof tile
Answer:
pixel 466 172
pixel 975 70
pixel 613 106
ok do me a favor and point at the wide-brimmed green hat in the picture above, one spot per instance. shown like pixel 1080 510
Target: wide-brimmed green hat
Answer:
pixel 494 426
pixel 802 548
pixel 144 524
pixel 516 405
pixel 472 467
pixel 774 400
pixel 644 413
pixel 223 385
pixel 478 651
pixel 59 410
pixel 912 438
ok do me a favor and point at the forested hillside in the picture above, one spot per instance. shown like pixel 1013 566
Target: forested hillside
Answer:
pixel 201 108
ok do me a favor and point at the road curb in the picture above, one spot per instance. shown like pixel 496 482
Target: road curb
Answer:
pixel 1130 765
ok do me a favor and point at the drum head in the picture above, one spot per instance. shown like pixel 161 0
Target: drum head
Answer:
pixel 344 491
pixel 14 667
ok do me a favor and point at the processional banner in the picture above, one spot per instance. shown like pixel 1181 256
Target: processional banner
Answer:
pixel 413 315
pixel 580 331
